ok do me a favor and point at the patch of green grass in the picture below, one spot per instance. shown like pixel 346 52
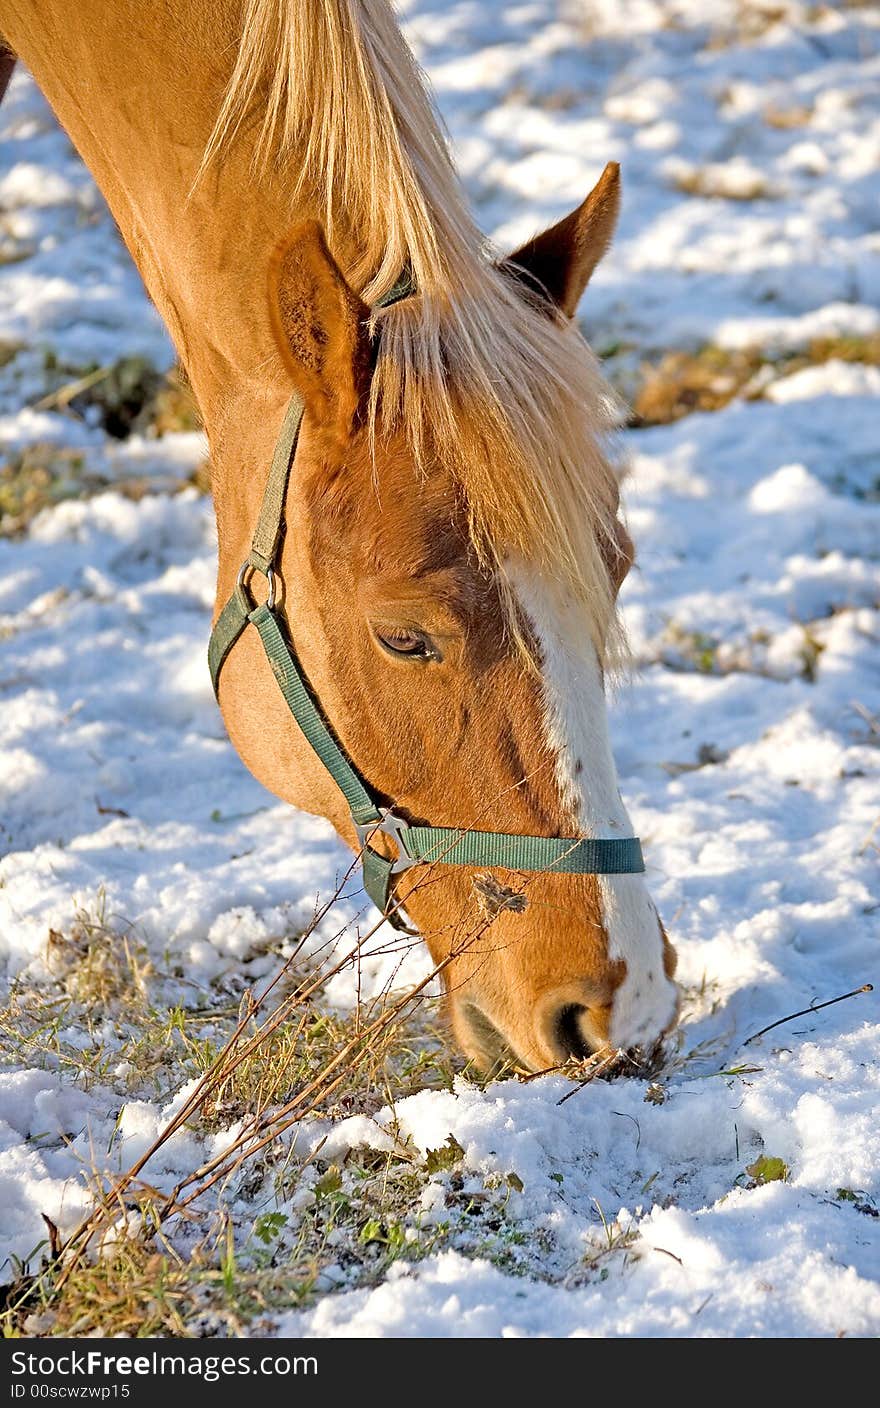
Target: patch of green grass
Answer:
pixel 687 650
pixel 765 1169
pixel 691 649
pixel 861 1201
pixel 354 1218
pixel 448 1156
pixel 100 1015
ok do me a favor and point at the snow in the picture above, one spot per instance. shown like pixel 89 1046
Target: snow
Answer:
pixel 746 742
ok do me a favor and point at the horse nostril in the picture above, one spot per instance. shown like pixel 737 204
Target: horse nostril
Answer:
pixel 572 1022
pixel 568 1035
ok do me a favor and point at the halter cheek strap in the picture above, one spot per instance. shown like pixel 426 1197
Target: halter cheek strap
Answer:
pixel 416 845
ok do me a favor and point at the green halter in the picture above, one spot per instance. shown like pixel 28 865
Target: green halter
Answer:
pixel 416 845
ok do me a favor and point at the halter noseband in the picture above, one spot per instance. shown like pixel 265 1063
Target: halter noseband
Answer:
pixel 416 845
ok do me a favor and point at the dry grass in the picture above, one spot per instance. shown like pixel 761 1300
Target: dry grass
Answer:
pixel 146 1034
pixel 43 475
pixel 751 22
pixel 100 987
pixel 285 1223
pixel 98 963
pixel 126 397
pixel 35 478
pixel 708 379
pixel 718 181
pixel 786 119
pixel 261 1068
pixel 143 1288
pixel 355 1218
pixel 684 382
pixel 401 1060
pixel 14 251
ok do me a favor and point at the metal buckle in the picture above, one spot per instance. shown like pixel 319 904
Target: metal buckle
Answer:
pixel 248 566
pixel 390 825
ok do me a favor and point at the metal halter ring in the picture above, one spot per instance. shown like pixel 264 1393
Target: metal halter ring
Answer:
pixel 248 566
pixel 389 824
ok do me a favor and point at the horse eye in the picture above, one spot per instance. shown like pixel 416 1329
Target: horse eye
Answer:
pixel 411 645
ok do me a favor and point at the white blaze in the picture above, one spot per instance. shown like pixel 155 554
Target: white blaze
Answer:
pixel 577 731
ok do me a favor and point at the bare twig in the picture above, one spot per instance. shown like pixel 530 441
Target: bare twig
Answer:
pixel 621 1114
pixel 264 1126
pixel 601 1065
pixel 869 841
pixel 219 1071
pixel 872 720
pixel 667 1252
pixel 525 1076
pixel 805 1011
pixel 61 398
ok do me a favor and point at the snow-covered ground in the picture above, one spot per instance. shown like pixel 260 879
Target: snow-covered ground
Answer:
pixel 747 744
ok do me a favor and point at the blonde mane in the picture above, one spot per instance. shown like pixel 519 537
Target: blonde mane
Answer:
pixel 509 399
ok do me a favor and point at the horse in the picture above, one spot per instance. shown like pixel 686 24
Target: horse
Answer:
pixel 435 577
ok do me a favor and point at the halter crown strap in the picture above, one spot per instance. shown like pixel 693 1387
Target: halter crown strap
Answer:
pixel 416 845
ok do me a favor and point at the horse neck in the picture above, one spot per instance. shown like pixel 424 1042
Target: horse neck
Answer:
pixel 137 88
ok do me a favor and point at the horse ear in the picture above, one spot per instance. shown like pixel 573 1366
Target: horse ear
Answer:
pixel 320 326
pixel 562 259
